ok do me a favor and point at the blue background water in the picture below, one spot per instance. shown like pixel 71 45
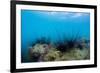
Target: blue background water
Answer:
pixel 36 24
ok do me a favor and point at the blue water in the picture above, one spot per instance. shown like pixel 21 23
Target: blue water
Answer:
pixel 36 24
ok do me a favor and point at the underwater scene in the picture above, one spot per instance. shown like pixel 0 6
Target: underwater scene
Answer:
pixel 54 36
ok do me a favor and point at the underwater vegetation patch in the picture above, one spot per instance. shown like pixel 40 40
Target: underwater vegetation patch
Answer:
pixel 45 50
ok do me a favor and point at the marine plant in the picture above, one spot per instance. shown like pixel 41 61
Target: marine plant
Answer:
pixel 43 40
pixel 66 44
pixel 64 48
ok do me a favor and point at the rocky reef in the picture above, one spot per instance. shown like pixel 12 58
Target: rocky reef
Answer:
pixel 68 49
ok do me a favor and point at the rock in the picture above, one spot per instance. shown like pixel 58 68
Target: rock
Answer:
pixel 76 54
pixel 52 55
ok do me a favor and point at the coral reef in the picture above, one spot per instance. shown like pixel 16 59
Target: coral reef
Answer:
pixel 68 49
pixel 76 54
pixel 38 51
pixel 52 55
